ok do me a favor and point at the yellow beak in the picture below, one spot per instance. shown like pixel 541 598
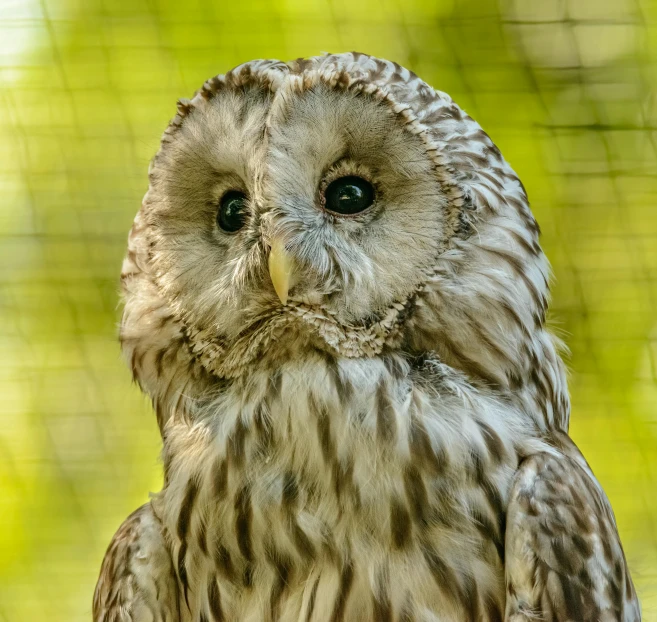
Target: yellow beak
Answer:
pixel 281 270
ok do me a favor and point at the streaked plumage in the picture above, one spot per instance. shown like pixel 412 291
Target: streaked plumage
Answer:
pixel 389 445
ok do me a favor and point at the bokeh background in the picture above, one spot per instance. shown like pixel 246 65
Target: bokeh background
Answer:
pixel 565 87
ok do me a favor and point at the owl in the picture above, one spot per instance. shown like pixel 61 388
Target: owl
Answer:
pixel 336 299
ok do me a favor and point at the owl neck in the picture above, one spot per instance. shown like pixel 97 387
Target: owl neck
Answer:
pixel 391 400
pixel 490 347
pixel 534 379
pixel 494 349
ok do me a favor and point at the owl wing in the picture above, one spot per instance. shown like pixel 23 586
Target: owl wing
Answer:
pixel 564 559
pixel 137 582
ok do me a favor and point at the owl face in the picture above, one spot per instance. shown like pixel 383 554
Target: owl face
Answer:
pixel 335 203
pixel 332 179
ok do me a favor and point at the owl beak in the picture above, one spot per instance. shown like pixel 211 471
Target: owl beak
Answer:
pixel 281 270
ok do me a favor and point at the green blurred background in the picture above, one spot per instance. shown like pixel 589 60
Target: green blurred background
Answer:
pixel 565 87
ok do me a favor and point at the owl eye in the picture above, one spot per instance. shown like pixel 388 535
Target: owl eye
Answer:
pixel 232 211
pixel 348 195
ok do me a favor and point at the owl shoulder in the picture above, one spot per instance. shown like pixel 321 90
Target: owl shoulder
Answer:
pixel 564 559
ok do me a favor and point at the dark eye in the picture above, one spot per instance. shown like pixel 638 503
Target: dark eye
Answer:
pixel 348 195
pixel 232 211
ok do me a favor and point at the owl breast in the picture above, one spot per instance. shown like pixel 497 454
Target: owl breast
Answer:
pixel 338 489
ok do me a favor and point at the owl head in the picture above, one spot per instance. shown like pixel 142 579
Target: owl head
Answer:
pixel 338 206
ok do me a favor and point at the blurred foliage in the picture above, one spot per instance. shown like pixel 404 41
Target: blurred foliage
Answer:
pixel 565 87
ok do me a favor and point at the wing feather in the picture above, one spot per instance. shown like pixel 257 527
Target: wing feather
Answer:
pixel 564 559
pixel 137 581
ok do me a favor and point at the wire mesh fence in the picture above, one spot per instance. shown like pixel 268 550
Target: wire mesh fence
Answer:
pixel 565 87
